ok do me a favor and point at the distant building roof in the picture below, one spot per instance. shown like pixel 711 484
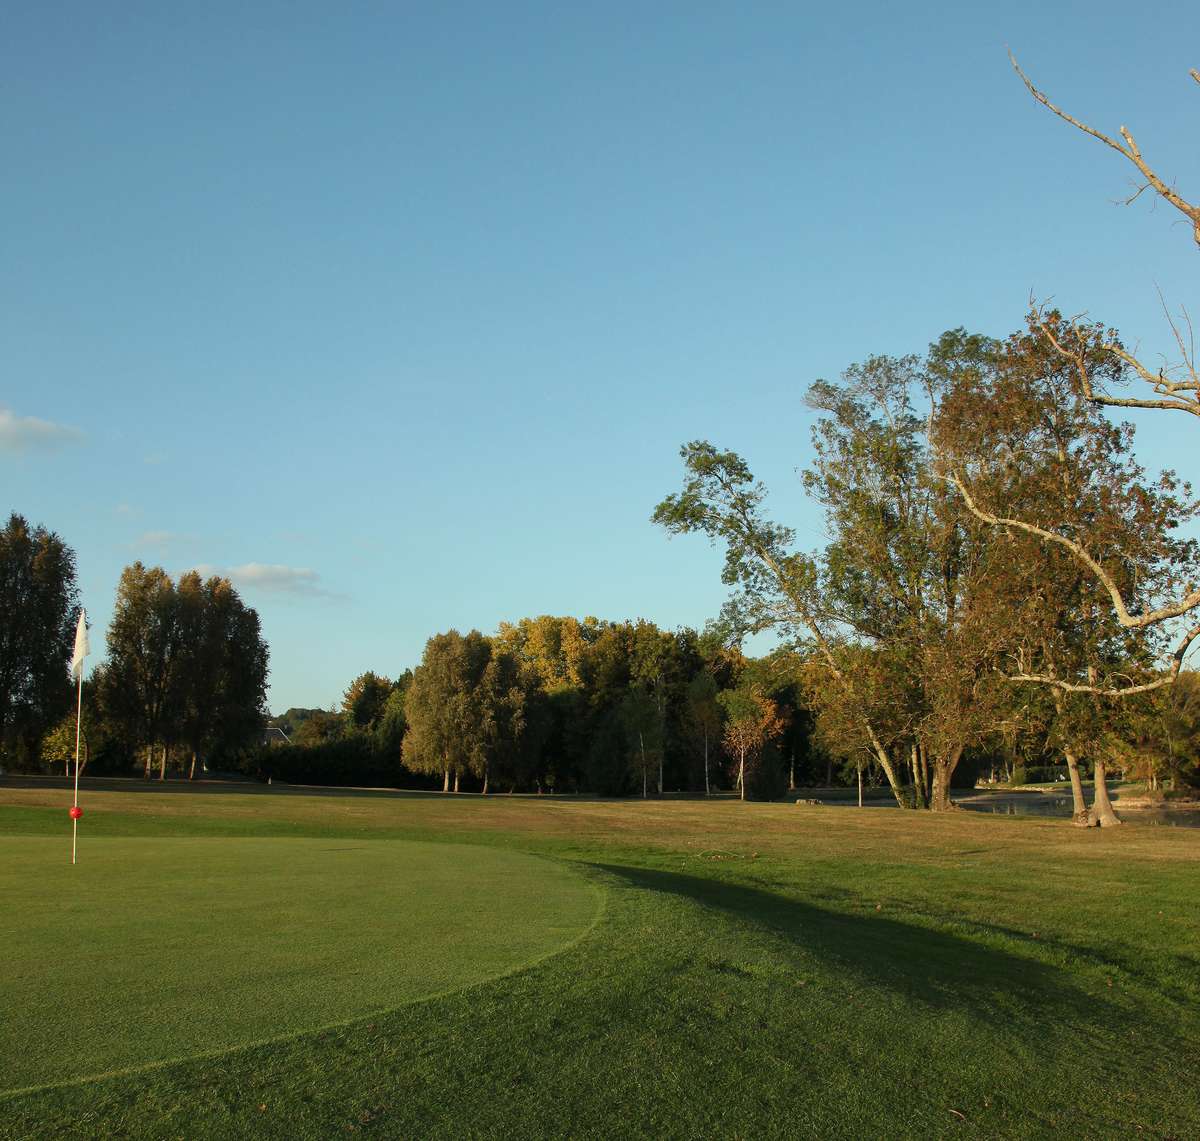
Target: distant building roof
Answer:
pixel 273 735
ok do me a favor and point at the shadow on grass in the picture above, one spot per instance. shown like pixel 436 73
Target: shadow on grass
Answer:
pixel 936 968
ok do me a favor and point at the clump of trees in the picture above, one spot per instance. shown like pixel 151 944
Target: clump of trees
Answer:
pixel 929 633
pixel 558 704
pixel 184 681
pixel 1000 568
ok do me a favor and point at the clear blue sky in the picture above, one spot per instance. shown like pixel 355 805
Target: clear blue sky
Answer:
pixel 400 313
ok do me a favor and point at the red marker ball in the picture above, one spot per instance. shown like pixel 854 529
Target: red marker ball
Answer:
pixel 76 812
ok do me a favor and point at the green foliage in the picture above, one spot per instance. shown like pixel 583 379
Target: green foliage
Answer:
pixel 349 759
pixel 187 665
pixel 364 702
pixel 641 720
pixel 38 615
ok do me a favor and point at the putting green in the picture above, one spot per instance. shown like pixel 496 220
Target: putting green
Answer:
pixel 150 950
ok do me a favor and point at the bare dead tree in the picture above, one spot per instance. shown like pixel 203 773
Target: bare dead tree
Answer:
pixel 1129 149
pixel 1176 385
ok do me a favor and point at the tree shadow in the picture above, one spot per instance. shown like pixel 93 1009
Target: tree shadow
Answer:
pixel 932 967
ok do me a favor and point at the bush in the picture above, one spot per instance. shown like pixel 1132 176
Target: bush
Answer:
pixel 350 760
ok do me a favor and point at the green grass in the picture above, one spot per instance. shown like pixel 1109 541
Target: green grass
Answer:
pixel 155 949
pixel 757 970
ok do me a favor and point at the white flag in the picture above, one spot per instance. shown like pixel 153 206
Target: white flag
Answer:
pixel 82 649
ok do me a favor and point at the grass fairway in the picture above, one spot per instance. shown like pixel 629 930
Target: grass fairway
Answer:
pixel 756 971
pixel 153 949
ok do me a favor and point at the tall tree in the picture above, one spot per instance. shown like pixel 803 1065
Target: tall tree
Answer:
pixel 501 706
pixel 233 640
pixel 642 724
pixel 444 707
pixel 141 681
pixel 1031 456
pixel 906 572
pixel 38 613
pixel 721 499
pixel 1099 365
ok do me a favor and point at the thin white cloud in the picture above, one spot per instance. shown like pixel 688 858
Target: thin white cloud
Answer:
pixel 272 578
pixel 160 539
pixel 27 433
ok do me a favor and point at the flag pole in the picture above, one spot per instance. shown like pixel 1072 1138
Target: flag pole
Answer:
pixel 78 729
pixel 81 651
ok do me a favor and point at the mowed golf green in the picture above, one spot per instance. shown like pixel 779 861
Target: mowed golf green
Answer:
pixel 153 949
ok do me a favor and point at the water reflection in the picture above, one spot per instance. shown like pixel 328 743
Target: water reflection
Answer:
pixel 1040 804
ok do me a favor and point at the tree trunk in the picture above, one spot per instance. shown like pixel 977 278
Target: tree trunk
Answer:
pixel 192 770
pixel 943 770
pixel 919 800
pixel 860 786
pixel 456 780
pixel 645 777
pixel 660 772
pixel 742 773
pixel 1102 809
pixel 792 773
pixel 706 789
pixel 162 767
pixel 926 778
pixel 889 771
pixel 486 769
pixel 1079 808
pixel 446 780
pixel 828 772
pixel 149 761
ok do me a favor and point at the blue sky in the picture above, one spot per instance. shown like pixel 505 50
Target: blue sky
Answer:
pixel 400 314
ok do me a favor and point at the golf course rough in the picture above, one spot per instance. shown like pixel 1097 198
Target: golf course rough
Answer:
pixel 152 950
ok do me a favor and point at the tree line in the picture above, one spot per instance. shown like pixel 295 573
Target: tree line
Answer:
pixel 1004 586
pixel 560 704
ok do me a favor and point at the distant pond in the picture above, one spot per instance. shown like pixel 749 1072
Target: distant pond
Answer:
pixel 1003 802
pixel 1052 804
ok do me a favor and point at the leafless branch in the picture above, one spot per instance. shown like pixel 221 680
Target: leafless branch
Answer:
pixel 1176 387
pixel 1128 148
pixel 1160 682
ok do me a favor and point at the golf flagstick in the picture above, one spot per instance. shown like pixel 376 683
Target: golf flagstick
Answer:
pixel 82 649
